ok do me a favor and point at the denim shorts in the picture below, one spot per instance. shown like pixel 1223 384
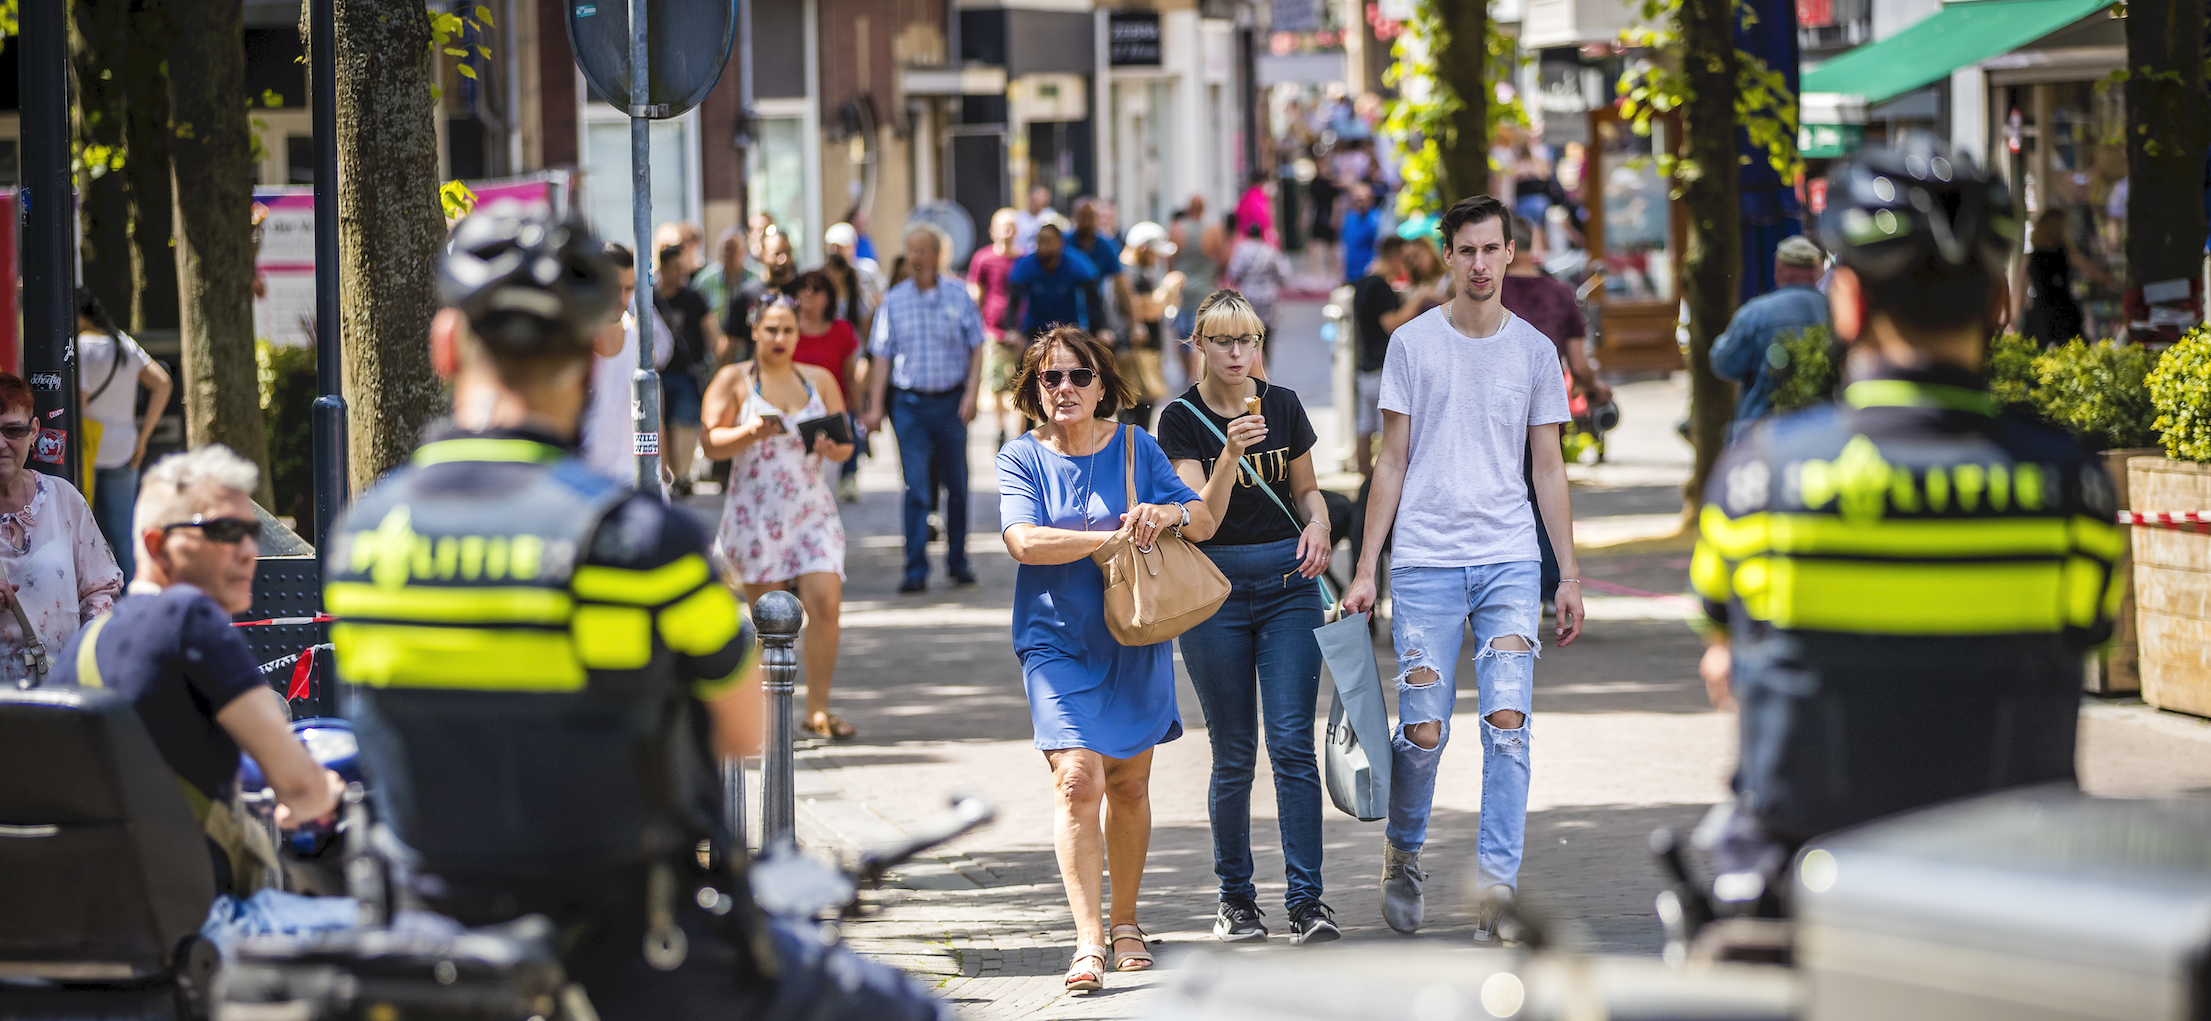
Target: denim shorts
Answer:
pixel 680 400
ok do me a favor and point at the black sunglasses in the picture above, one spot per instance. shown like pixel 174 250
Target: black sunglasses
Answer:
pixel 1080 377
pixel 227 531
pixel 17 430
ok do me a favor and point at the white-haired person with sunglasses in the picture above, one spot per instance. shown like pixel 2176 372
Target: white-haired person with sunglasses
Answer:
pixel 60 571
pixel 1098 707
pixel 169 647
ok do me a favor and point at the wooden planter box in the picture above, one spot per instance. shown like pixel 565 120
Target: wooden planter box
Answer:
pixel 2172 585
pixel 2118 671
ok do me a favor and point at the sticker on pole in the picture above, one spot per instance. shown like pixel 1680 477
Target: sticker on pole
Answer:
pixel 50 381
pixel 648 444
pixel 53 446
pixel 687 45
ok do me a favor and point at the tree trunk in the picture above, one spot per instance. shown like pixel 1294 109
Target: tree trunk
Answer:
pixel 146 139
pixel 211 156
pixel 1461 57
pixel 1714 259
pixel 391 230
pixel 96 42
pixel 2168 129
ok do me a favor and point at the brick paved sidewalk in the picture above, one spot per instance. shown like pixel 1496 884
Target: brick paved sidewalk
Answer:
pixel 1623 743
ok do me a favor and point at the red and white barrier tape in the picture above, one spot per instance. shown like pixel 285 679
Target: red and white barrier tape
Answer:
pixel 320 618
pixel 2188 521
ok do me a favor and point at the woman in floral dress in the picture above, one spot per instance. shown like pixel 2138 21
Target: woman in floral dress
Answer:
pixel 58 566
pixel 779 520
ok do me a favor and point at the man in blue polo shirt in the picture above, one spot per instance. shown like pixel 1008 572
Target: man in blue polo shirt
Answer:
pixel 1051 286
pixel 930 335
pixel 1104 254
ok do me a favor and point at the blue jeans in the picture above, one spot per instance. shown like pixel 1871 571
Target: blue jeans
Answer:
pixel 1432 607
pixel 1259 650
pixel 932 451
pixel 114 497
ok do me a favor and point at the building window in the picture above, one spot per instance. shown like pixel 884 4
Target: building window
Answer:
pixel 775 179
pixel 674 147
pixel 299 159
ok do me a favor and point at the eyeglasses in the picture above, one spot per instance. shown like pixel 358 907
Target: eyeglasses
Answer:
pixel 17 430
pixel 1230 343
pixel 227 531
pixel 1080 377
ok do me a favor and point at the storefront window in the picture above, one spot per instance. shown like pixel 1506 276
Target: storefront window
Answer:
pixel 775 176
pixel 2075 166
pixel 607 175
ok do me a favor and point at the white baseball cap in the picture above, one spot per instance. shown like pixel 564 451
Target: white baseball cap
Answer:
pixel 840 235
pixel 1150 235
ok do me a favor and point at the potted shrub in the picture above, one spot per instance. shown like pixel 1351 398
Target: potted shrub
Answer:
pixel 2097 393
pixel 2172 567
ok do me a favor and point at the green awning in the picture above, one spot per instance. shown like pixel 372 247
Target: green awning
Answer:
pixel 1962 32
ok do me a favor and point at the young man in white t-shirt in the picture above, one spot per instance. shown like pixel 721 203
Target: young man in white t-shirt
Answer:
pixel 1464 387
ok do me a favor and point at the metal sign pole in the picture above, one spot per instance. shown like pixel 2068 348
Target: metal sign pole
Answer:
pixel 645 408
pixel 49 263
pixel 328 417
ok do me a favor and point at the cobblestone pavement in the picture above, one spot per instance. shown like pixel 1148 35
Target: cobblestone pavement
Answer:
pixel 1624 743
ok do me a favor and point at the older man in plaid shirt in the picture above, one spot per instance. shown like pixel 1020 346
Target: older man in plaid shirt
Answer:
pixel 931 336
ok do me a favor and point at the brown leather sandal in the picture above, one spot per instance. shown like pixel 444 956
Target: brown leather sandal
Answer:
pixel 828 725
pixel 1136 960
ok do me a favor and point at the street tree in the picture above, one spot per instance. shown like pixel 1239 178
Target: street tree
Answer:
pixel 390 226
pixel 1447 105
pixel 211 158
pixel 144 70
pixel 2169 129
pixel 1714 88
pixel 98 33
pixel 119 56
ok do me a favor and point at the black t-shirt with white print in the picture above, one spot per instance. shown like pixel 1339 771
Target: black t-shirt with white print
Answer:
pixel 1252 518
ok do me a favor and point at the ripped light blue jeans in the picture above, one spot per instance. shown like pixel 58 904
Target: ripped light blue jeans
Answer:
pixel 1432 605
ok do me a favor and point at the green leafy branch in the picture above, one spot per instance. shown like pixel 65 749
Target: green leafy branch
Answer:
pixel 449 32
pixel 1424 116
pixel 1764 106
pixel 456 199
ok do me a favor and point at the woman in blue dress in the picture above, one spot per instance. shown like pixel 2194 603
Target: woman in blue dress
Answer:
pixel 1098 706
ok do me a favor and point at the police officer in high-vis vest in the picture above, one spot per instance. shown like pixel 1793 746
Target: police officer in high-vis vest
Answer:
pixel 1904 583
pixel 542 666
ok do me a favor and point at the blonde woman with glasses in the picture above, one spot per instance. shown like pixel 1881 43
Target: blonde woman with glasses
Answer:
pixel 1246 447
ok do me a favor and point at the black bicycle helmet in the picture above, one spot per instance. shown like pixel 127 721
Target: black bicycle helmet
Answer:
pixel 1888 209
pixel 529 283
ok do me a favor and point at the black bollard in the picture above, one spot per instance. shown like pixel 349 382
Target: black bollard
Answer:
pixel 778 617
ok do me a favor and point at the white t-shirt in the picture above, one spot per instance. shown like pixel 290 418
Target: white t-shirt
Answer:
pixel 116 408
pixel 609 443
pixel 1471 402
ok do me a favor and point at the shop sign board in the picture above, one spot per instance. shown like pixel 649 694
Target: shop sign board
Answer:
pixel 1132 39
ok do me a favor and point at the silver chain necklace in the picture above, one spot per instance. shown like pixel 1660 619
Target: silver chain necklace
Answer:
pixel 1090 477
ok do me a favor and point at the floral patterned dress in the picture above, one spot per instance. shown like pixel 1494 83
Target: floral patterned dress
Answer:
pixel 62 569
pixel 780 519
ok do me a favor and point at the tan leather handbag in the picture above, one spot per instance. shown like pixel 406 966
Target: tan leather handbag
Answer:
pixel 1157 592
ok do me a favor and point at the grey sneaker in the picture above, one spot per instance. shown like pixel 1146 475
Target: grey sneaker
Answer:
pixel 1402 903
pixel 1491 915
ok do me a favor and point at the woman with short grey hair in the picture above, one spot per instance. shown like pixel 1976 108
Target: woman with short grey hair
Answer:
pixel 60 572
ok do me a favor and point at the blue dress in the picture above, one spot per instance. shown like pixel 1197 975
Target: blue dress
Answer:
pixel 1086 690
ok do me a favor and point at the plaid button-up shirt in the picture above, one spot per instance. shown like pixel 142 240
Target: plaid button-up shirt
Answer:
pixel 927 336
